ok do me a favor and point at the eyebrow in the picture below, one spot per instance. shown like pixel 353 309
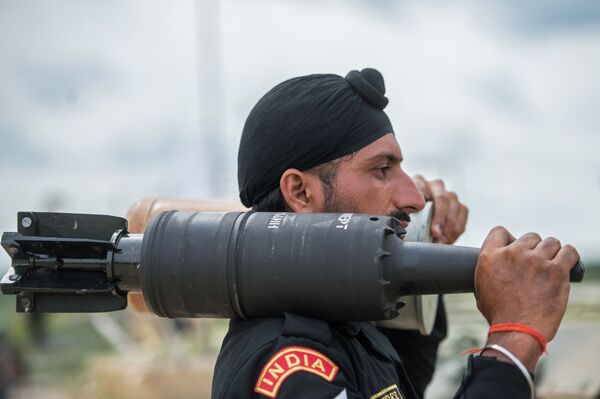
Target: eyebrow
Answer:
pixel 385 156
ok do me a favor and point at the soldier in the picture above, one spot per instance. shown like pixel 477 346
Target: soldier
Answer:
pixel 322 143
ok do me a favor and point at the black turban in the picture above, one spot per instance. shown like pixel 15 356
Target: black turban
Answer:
pixel 306 121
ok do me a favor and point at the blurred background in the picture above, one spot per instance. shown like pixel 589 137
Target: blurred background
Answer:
pixel 104 103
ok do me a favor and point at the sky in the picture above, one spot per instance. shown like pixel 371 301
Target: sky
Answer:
pixel 104 103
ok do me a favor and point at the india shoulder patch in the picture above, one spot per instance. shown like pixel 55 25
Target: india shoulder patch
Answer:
pixel 290 360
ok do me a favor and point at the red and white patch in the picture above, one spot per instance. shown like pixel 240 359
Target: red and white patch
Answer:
pixel 290 360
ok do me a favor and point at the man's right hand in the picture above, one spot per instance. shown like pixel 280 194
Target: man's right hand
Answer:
pixel 526 281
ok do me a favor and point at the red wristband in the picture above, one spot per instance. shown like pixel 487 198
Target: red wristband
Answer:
pixel 503 327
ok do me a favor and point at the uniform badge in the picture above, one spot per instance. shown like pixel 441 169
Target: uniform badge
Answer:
pixel 290 360
pixel 390 392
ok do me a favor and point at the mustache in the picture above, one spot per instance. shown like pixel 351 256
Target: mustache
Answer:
pixel 401 216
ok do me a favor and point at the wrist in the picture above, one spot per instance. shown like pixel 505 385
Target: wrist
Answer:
pixel 523 346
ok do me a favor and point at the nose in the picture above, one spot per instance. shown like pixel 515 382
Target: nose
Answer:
pixel 407 197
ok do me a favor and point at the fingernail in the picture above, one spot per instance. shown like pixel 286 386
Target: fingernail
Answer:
pixel 439 227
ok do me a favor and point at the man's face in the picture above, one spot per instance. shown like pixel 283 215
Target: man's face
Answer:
pixel 372 181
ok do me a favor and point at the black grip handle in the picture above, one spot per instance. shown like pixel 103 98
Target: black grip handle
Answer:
pixel 577 272
pixel 425 268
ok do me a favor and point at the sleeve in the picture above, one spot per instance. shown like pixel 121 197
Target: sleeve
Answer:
pixel 292 369
pixel 488 378
pixel 418 352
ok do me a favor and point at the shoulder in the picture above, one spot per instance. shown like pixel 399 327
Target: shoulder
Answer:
pixel 247 336
pixel 258 355
pixel 248 339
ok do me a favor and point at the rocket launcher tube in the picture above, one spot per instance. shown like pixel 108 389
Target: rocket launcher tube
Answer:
pixel 232 265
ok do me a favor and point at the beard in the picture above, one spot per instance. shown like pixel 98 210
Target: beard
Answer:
pixel 335 204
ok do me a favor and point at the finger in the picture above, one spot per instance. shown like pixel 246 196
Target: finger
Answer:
pixel 497 238
pixel 441 207
pixel 450 233
pixel 567 257
pixel 422 186
pixel 459 224
pixel 529 240
pixel 549 246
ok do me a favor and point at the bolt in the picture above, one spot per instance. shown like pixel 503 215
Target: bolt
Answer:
pixel 14 277
pixel 26 303
pixel 26 222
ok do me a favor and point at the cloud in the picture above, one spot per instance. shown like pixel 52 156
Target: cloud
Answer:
pixel 113 98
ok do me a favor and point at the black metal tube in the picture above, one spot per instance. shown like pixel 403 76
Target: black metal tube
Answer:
pixel 248 265
pixel 328 266
pixel 126 262
pixel 423 268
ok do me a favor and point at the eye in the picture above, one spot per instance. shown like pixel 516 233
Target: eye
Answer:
pixel 382 171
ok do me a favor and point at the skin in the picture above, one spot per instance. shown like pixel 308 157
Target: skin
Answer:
pixel 373 173
pixel 449 216
pixel 523 280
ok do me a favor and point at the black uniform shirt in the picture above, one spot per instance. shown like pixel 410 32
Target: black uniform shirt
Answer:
pixel 326 360
pixel 299 357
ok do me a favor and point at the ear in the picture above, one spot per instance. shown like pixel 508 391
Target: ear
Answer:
pixel 301 191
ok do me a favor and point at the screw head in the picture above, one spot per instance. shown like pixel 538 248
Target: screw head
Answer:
pixel 26 222
pixel 26 303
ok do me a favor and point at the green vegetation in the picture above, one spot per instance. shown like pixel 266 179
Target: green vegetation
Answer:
pixel 61 350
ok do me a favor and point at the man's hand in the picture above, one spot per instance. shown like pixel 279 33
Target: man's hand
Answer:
pixel 526 281
pixel 449 215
